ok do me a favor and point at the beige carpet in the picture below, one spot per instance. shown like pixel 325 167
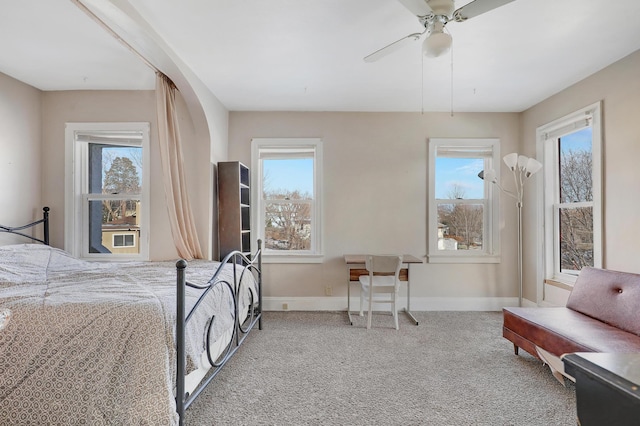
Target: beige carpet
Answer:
pixel 313 368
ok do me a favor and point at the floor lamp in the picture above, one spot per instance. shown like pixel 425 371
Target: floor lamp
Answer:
pixel 522 168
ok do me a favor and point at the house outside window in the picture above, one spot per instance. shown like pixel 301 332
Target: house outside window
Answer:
pixel 121 243
pixel 463 208
pixel 287 196
pixel 107 209
pixel 124 240
pixel 572 194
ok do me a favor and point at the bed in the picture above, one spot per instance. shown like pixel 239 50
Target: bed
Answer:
pixel 105 343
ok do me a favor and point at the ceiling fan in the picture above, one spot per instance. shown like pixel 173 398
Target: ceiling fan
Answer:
pixel 434 15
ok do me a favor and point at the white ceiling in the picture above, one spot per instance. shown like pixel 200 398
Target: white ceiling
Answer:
pixel 306 55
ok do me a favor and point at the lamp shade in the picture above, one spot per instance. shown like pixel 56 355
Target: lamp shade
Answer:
pixel 511 160
pixel 532 166
pixel 522 161
pixel 490 176
pixel 438 43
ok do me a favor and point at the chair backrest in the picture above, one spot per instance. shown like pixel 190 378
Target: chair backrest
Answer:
pixel 384 265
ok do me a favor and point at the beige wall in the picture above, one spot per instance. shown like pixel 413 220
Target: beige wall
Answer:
pixel 20 155
pixel 618 87
pixel 375 191
pixel 114 106
pixel 372 161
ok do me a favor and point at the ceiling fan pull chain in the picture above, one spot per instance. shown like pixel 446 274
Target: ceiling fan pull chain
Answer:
pixel 422 83
pixel 451 79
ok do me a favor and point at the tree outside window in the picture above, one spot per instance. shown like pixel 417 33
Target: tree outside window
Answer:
pixel 121 178
pixel 287 220
pixel 462 223
pixel 576 201
pixel 571 147
pixel 288 197
pixel 463 209
pixel 107 193
pixel 286 193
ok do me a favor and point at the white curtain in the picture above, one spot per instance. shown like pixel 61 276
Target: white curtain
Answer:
pixel 183 228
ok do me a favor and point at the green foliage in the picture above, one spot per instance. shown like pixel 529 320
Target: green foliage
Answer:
pixel 122 177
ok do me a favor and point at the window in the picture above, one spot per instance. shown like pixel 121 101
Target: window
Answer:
pixel 286 185
pixel 107 209
pixel 572 194
pixel 124 240
pixel 463 209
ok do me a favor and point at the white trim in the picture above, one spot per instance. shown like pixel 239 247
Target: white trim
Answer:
pixel 292 258
pixel 74 154
pixel 418 304
pixel 463 258
pixel 307 148
pixel 456 147
pixel 589 115
pixel 568 124
pixel 555 296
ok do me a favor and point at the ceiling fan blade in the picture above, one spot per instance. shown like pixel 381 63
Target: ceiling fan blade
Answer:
pixel 417 7
pixel 477 7
pixel 390 48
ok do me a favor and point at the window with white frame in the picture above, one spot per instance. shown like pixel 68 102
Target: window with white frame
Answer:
pixel 124 240
pixel 106 193
pixel 572 193
pixel 287 198
pixel 463 208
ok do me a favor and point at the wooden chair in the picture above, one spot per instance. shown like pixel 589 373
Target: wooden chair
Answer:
pixel 383 281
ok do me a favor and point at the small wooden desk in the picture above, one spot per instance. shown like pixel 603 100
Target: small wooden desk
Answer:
pixel 355 263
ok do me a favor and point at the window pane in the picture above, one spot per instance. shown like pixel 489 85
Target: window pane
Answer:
pixel 288 179
pixel 115 169
pixel 460 226
pixel 576 238
pixel 576 162
pixel 109 217
pixel 457 178
pixel 123 240
pixel 288 226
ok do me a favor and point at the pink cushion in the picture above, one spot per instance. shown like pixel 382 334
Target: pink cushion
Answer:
pixel 609 296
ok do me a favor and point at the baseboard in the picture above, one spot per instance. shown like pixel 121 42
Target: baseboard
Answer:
pixel 417 303
pixel 528 303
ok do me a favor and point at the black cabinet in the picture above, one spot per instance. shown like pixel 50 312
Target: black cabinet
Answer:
pixel 607 387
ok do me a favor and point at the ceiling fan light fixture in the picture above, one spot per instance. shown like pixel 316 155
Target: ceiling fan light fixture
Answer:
pixel 437 44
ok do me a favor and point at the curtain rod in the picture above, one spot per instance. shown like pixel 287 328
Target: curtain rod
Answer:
pixel 113 33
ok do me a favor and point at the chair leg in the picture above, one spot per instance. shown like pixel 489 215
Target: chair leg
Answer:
pixel 370 309
pixel 361 300
pixel 395 313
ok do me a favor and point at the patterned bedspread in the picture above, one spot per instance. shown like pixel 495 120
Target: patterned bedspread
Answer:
pixel 93 343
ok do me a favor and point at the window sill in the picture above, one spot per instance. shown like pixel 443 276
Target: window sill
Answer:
pixel 438 258
pixel 115 258
pixel 292 258
pixel 565 283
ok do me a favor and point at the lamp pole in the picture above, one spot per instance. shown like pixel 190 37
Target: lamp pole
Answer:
pixel 519 204
pixel 522 168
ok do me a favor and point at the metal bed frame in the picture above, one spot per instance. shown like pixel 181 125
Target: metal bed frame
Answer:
pixel 44 221
pixel 242 265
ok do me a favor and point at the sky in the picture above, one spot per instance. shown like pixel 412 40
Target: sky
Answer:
pixel 289 175
pixel 580 140
pixel 464 171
